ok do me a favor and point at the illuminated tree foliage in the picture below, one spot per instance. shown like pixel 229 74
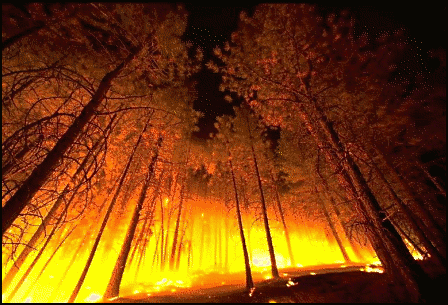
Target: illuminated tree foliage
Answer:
pixel 289 63
pixel 319 157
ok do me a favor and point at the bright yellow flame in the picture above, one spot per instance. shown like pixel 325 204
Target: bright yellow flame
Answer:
pixel 272 301
pixel 313 273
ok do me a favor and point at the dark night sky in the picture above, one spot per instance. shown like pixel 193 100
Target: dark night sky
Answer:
pixel 211 26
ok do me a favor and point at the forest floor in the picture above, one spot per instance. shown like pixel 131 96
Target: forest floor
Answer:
pixel 318 284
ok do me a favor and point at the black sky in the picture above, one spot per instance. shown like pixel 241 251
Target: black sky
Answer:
pixel 211 26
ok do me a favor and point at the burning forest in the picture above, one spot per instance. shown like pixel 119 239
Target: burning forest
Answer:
pixel 241 156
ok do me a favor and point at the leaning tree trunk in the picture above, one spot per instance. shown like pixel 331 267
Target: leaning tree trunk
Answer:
pixel 249 281
pixel 282 217
pixel 437 232
pixel 274 269
pixel 21 198
pixel 106 218
pixel 410 217
pixel 113 288
pixel 39 254
pixel 36 279
pixel 352 194
pixel 410 272
pixel 333 228
pixel 51 214
pixel 176 230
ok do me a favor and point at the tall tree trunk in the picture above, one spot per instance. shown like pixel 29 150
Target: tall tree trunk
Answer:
pixel 352 194
pixel 332 228
pixel 54 209
pixel 410 217
pixel 44 170
pixel 344 227
pixel 437 232
pixel 80 248
pixel 410 272
pixel 274 269
pixel 106 218
pixel 49 261
pixel 39 254
pixel 249 281
pixel 176 230
pixel 282 217
pixel 113 288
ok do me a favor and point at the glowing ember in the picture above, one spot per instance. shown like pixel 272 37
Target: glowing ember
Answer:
pixel 313 273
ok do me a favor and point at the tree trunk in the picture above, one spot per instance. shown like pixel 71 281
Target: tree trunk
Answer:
pixel 352 194
pixel 39 254
pixel 249 281
pixel 428 220
pixel 78 250
pixel 48 262
pixel 274 269
pixel 113 288
pixel 176 230
pixel 410 272
pixel 106 218
pixel 285 227
pixel 332 228
pixel 43 171
pixel 51 214
pixel 439 257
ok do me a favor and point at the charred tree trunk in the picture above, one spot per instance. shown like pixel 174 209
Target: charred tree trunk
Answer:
pixel 52 213
pixel 274 269
pixel 49 261
pixel 113 288
pixel 352 194
pixel 106 218
pixel 333 228
pixel 437 233
pixel 409 271
pixel 410 217
pixel 282 217
pixel 36 259
pixel 249 281
pixel 176 230
pixel 43 171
